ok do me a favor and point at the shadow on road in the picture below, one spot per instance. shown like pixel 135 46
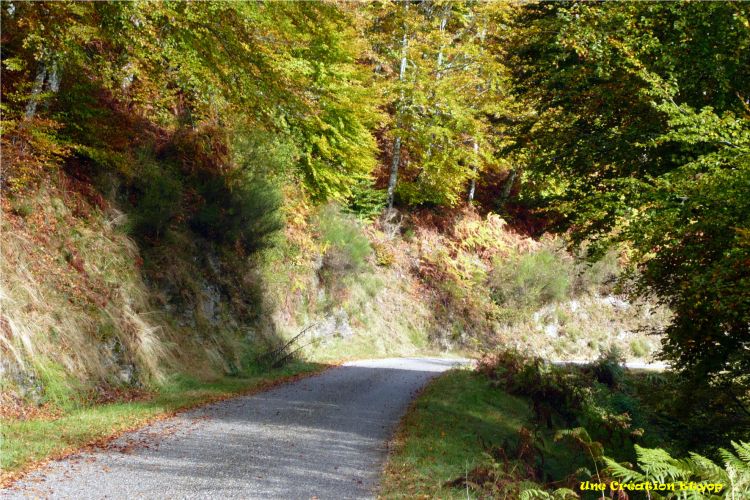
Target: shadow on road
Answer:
pixel 323 436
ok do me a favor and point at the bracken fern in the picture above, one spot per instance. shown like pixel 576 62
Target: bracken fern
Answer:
pixel 657 465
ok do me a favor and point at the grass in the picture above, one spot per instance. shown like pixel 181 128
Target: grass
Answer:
pixel 448 430
pixel 440 437
pixel 464 425
pixel 24 442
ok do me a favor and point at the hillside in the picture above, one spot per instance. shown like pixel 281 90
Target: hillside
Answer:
pixel 86 308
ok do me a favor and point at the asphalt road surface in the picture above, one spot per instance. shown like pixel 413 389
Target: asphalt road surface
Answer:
pixel 321 437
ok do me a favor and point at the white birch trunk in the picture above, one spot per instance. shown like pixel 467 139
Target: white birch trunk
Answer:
pixel 393 179
pixel 475 168
pixel 36 90
pixel 473 185
pixel 439 72
pixel 443 23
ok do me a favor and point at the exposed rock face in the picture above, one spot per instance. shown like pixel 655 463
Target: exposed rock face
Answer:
pixel 210 302
pixel 335 324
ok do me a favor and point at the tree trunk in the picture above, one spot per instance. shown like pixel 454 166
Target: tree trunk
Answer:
pixel 53 78
pixel 36 90
pixel 394 170
pixel 439 70
pixel 393 179
pixel 473 185
pixel 47 76
pixel 475 168
pixel 507 187
pixel 443 23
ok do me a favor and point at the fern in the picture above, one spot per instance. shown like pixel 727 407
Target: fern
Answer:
pixel 581 436
pixel 657 465
pixel 660 466
pixel 532 491
pixel 743 451
pixel 622 472
pixel 738 468
pixel 701 466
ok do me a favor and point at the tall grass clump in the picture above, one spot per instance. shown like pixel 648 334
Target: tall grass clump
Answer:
pixel 74 313
pixel 531 279
pixel 346 246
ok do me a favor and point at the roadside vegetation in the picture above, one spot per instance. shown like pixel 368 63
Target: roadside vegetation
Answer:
pixel 519 427
pixel 54 430
pixel 440 438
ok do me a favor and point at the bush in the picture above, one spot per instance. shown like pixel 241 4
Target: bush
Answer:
pixel 599 276
pixel 384 255
pixel 591 396
pixel 157 205
pixel 704 416
pixel 608 369
pixel 639 348
pixel 238 210
pixel 366 202
pixel 531 279
pixel 347 247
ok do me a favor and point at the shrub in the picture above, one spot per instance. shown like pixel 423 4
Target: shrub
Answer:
pixel 157 205
pixel 346 246
pixel 684 405
pixel 384 255
pixel 608 369
pixel 639 348
pixel 238 210
pixel 531 279
pixel 202 149
pixel 31 148
pixel 366 202
pixel 590 396
pixel 598 276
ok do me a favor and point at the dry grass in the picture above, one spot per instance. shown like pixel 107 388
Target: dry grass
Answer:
pixel 76 313
pixel 73 303
pixel 581 329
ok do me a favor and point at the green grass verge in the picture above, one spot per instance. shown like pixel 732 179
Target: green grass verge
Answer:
pixel 442 436
pixel 25 442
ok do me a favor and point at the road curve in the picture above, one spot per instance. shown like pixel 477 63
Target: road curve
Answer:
pixel 320 437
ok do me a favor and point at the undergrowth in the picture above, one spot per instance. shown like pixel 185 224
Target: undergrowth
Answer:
pixel 490 286
pixel 520 427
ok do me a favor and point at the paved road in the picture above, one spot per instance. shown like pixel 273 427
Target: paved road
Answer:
pixel 321 437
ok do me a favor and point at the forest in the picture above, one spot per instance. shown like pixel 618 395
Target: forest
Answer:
pixel 188 184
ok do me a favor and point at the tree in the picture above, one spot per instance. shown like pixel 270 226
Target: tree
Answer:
pixel 290 69
pixel 447 89
pixel 641 139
